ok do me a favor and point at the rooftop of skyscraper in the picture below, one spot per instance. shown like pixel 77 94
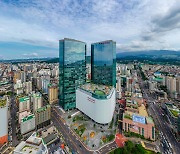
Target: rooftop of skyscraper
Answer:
pixel 23 99
pixel 69 39
pixel 104 42
pixel 101 90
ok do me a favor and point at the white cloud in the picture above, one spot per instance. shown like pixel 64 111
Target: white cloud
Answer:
pixel 31 55
pixel 133 24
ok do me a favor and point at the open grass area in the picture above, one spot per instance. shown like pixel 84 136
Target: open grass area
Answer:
pixel 80 130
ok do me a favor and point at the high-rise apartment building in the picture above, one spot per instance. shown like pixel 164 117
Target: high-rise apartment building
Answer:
pixel 171 84
pixel 28 87
pixel 39 82
pixel 118 87
pixel 178 84
pixel 24 104
pixel 129 84
pixel 53 94
pixel 36 100
pixel 23 76
pixel 72 70
pixel 17 76
pixel 27 124
pixel 43 116
pixel 103 63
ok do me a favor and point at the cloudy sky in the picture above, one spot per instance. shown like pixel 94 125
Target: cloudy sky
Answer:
pixel 32 28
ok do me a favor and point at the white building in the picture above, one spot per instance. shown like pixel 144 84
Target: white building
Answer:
pixel 18 84
pixel 152 85
pixel 27 124
pixel 23 114
pixel 19 91
pixel 28 87
pixel 3 121
pixel 118 88
pixel 129 84
pixel 36 100
pixel 24 104
pixel 23 76
pixel 97 102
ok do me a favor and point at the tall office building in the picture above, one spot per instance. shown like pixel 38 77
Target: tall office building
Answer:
pixel 72 70
pixel 45 83
pixel 103 63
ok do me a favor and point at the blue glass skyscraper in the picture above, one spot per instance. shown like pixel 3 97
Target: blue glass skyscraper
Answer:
pixel 103 63
pixel 72 70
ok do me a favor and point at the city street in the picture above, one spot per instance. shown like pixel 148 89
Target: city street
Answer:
pixel 13 111
pixel 160 122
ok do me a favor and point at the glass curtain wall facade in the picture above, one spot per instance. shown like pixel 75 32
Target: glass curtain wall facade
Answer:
pixel 72 70
pixel 103 63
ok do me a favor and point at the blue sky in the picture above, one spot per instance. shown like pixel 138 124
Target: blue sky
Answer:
pixel 32 28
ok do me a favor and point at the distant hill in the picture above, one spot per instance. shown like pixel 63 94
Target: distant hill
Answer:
pixel 151 54
pixel 165 54
pixel 26 60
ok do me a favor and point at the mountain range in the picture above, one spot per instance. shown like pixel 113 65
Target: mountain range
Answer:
pixel 151 54
pixel 165 54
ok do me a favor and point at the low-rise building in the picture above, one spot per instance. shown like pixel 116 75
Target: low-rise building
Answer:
pixel 139 122
pixel 33 145
pixel 49 135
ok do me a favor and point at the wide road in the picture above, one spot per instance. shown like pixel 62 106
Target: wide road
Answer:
pixel 70 139
pixel 13 112
pixel 161 123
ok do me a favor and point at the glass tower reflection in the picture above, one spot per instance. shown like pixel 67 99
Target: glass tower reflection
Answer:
pixel 103 63
pixel 72 70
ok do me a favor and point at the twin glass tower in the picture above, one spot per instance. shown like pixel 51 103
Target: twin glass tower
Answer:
pixel 72 67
